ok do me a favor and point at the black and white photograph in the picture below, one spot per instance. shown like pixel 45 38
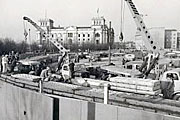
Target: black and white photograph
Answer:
pixel 89 59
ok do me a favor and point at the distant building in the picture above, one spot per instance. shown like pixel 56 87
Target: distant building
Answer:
pixel 129 45
pixel 166 38
pixel 96 33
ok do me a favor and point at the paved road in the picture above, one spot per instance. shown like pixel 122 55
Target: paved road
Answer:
pixel 104 61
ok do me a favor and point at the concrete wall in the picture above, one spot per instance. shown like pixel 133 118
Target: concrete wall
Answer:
pixel 71 109
pixel 21 104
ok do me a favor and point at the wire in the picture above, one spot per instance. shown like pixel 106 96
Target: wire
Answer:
pixel 122 19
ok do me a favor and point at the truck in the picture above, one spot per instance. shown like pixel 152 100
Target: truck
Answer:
pixel 170 86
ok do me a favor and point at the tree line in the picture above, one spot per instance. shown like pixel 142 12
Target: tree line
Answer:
pixel 7 45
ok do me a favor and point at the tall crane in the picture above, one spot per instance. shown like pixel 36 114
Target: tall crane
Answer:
pixel 150 44
pixel 46 35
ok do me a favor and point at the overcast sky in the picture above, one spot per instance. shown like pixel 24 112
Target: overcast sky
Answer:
pixel 161 13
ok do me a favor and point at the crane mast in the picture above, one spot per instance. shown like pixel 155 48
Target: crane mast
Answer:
pixel 150 44
pixel 47 35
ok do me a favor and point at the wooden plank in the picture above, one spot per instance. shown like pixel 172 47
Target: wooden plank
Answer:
pixel 123 86
pixel 139 81
pixel 157 92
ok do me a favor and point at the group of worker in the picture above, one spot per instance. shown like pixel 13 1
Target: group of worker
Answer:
pixel 8 62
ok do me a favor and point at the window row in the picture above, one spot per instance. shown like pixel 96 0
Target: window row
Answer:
pixel 84 39
pixel 43 23
pixel 84 35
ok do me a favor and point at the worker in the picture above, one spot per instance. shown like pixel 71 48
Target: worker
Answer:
pixel 71 68
pixel 38 70
pixel 168 87
pixel 45 74
pixel 17 56
pixel 12 57
pixel 4 63
pixel 13 64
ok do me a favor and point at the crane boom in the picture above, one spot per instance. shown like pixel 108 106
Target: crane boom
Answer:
pixel 147 38
pixel 46 35
pixel 150 44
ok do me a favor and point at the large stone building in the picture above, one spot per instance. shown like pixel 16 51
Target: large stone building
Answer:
pixel 166 38
pixel 96 33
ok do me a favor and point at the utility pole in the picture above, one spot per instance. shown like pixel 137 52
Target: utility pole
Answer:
pixel 109 40
pixel 30 39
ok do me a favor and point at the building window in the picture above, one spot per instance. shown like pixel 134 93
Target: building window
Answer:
pixel 88 39
pixel 70 34
pixel 79 39
pixel 61 39
pixel 83 35
pixel 79 35
pixel 83 39
pixel 88 35
pixel 97 35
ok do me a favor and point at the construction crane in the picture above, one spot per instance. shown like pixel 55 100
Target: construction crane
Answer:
pixel 46 35
pixel 150 44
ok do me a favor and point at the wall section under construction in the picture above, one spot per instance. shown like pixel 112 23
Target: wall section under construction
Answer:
pixel 21 104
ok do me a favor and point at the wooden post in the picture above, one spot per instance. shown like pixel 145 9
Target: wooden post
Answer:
pixel 41 86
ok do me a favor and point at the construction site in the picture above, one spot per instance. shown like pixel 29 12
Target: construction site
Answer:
pixel 113 84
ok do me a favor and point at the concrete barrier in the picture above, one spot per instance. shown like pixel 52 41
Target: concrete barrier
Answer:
pixel 21 104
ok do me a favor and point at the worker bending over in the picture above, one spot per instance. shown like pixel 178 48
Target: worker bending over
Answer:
pixel 45 74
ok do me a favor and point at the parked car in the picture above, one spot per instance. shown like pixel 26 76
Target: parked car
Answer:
pixel 27 66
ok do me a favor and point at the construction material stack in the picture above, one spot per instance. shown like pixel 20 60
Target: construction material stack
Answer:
pixel 136 85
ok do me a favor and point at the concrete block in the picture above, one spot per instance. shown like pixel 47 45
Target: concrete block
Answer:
pixel 22 104
pixel 70 109
pixel 106 112
pixel 133 114
pixel 12 103
pixel 35 106
pixel 2 101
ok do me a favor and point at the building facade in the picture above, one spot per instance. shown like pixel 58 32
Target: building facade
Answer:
pixel 166 38
pixel 97 33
